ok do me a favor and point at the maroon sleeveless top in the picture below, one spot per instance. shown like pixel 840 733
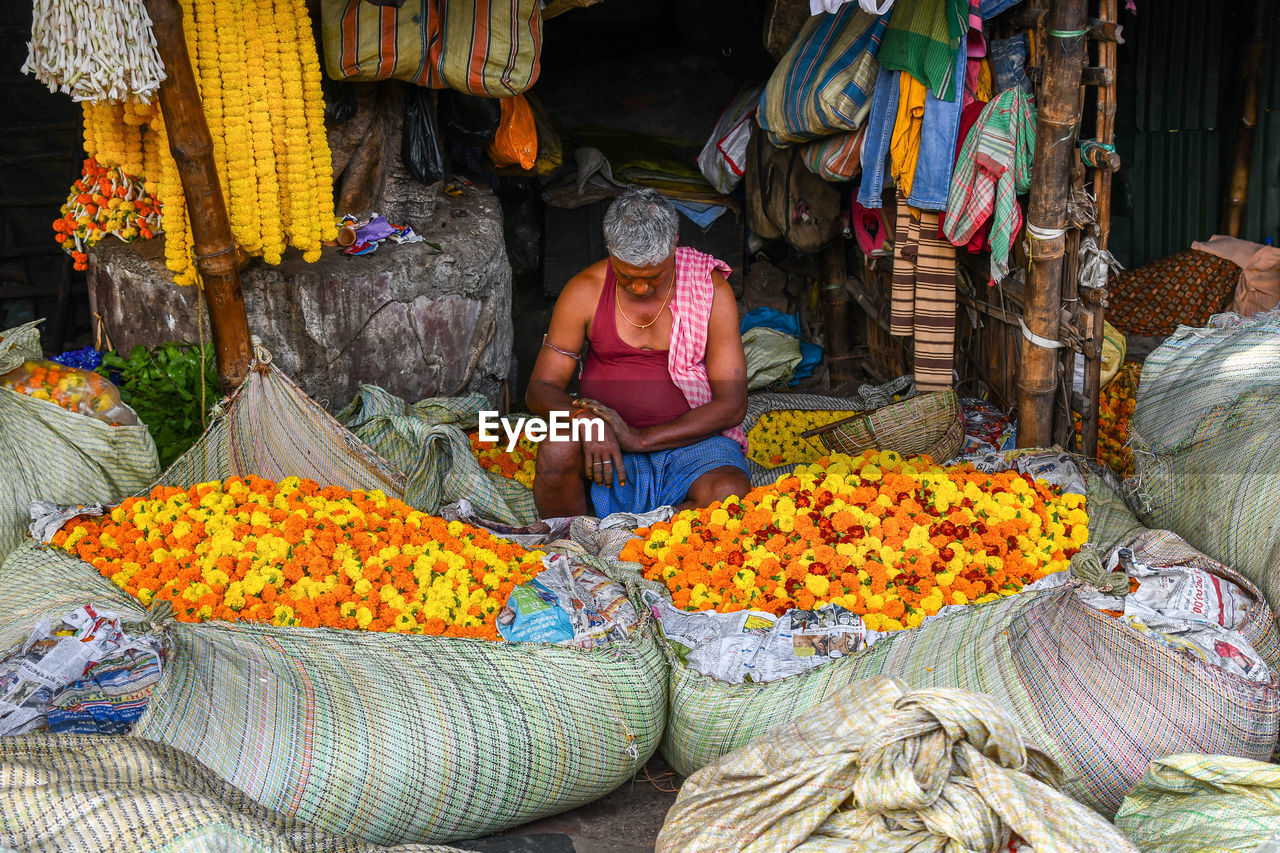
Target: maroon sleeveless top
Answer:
pixel 633 382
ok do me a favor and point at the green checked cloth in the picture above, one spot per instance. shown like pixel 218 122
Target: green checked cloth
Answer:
pixel 922 39
pixel 428 441
pixel 874 767
pixel 992 169
pixel 1203 804
pixel 69 793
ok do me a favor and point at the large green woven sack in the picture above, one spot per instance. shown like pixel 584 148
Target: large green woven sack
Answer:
pixel 428 441
pixel 1206 443
pixel 71 793
pixel 1099 697
pixel 383 737
pixel 48 453
pixel 1203 804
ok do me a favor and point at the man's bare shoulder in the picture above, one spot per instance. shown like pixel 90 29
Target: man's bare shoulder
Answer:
pixel 722 289
pixel 586 284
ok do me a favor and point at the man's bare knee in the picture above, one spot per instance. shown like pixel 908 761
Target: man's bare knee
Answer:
pixel 718 484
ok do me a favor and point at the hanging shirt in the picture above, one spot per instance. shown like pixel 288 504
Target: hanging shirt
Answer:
pixel 904 146
pixel 923 37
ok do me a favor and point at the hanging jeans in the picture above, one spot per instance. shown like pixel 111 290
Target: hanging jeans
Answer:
pixel 938 131
pixel 924 296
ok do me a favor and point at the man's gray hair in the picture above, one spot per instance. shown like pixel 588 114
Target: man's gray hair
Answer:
pixel 640 227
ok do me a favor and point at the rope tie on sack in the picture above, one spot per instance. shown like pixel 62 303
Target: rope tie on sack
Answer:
pixel 1086 566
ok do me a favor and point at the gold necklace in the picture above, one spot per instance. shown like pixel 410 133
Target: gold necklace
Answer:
pixel 655 316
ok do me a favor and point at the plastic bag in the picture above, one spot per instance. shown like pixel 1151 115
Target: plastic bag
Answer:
pixel 515 143
pixel 723 159
pixel 79 391
pixel 568 603
pixel 420 141
pixel 468 120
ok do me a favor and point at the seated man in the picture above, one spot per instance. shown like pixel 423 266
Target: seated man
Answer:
pixel 664 368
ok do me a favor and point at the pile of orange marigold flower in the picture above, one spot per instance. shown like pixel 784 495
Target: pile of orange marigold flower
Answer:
pixel 892 540
pixel 517 465
pixel 294 553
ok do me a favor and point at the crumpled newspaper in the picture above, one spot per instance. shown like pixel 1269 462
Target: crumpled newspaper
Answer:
pixel 48 518
pixel 568 604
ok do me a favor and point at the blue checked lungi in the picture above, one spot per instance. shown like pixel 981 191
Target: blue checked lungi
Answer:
pixel 663 477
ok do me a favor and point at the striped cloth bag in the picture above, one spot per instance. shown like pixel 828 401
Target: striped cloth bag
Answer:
pixel 1100 698
pixel 490 48
pixel 386 738
pixel 823 84
pixel 836 158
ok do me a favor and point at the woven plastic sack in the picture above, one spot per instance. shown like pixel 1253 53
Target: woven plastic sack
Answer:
pixel 49 453
pixel 383 737
pixel 772 357
pixel 428 441
pixel 1206 445
pixel 878 768
pixel 723 158
pixel 1100 698
pixel 78 792
pixel 1204 804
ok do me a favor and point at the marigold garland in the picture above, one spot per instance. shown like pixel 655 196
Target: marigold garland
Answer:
pixel 775 437
pixel 294 553
pixel 890 539
pixel 258 74
pixel 1116 405
pixel 104 201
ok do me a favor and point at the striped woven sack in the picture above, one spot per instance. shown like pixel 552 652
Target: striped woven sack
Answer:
pixel 428 441
pixel 836 158
pixel 49 453
pixel 133 796
pixel 1204 804
pixel 824 82
pixel 1206 447
pixel 1102 699
pixel 490 48
pixel 387 738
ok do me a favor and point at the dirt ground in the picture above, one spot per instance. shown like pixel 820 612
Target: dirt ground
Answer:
pixel 626 821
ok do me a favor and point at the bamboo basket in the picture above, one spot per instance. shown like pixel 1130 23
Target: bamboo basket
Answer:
pixel 931 424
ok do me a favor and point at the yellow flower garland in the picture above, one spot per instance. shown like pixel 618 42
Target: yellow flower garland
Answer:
pixel 258 74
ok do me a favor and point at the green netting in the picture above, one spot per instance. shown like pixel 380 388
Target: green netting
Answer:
pixel 384 737
pixel 123 795
pixel 48 453
pixel 427 440
pixel 1203 804
pixel 1206 443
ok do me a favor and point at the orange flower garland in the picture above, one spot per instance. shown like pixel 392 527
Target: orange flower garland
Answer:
pixel 297 554
pixel 892 540
pixel 1116 406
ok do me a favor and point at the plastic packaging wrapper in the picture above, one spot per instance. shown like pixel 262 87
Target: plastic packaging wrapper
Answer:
pixel 568 604
pixel 79 391
pixel 986 428
pixel 750 645
pixel 34 673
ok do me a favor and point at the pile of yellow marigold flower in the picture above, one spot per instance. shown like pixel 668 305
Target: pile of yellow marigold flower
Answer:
pixel 517 465
pixel 294 553
pixel 890 539
pixel 259 79
pixel 1116 405
pixel 775 437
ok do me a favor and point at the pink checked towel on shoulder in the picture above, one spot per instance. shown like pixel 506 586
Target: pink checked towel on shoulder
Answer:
pixel 690 316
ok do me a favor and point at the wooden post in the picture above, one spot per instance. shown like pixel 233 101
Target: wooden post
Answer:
pixel 192 149
pixel 835 314
pixel 1058 113
pixel 1250 72
pixel 1109 10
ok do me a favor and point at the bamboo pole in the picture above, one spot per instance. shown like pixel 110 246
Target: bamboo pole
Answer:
pixel 1058 115
pixel 835 314
pixel 1108 10
pixel 1250 72
pixel 192 149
